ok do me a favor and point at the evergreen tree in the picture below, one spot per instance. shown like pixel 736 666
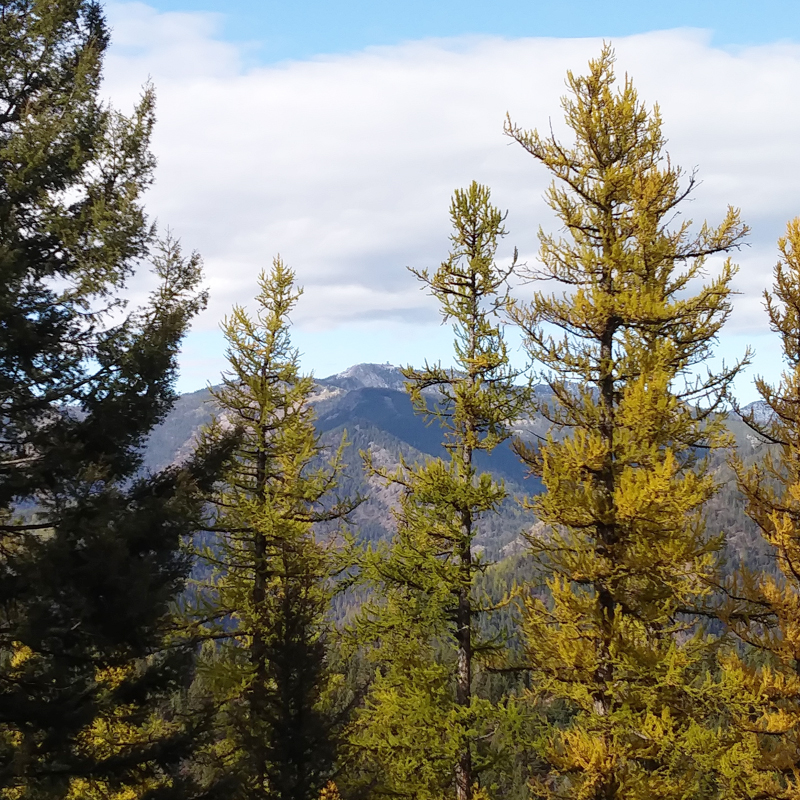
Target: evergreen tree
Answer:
pixel 622 544
pixel 270 587
pixel 763 608
pixel 422 718
pixel 90 550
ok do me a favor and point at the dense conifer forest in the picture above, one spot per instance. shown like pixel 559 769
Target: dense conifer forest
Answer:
pixel 578 581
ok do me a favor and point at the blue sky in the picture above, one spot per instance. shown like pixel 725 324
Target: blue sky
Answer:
pixel 297 30
pixel 334 134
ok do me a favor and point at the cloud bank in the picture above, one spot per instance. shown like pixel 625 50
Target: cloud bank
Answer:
pixel 345 164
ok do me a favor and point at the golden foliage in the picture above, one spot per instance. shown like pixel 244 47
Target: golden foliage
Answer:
pixel 625 555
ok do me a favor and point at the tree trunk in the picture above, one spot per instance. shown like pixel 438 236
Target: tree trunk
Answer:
pixel 464 778
pixel 258 651
pixel 464 667
pixel 606 537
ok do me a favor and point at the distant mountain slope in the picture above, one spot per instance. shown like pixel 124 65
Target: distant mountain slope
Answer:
pixel 368 401
pixel 366 395
pixel 174 439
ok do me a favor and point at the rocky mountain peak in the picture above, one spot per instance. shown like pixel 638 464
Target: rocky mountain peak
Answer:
pixel 760 411
pixel 366 376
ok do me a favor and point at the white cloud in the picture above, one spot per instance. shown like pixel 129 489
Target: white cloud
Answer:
pixel 345 164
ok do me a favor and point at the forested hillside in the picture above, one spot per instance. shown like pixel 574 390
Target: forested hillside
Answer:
pixel 370 404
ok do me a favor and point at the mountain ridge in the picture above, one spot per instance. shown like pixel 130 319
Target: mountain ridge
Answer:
pixel 368 402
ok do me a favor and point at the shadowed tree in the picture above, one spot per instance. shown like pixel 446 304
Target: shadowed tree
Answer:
pixel 90 549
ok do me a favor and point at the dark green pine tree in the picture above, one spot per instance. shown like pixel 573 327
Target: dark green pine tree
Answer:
pixel 423 720
pixel 90 548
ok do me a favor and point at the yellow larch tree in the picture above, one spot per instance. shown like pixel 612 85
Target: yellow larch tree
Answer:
pixel 763 609
pixel 611 644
